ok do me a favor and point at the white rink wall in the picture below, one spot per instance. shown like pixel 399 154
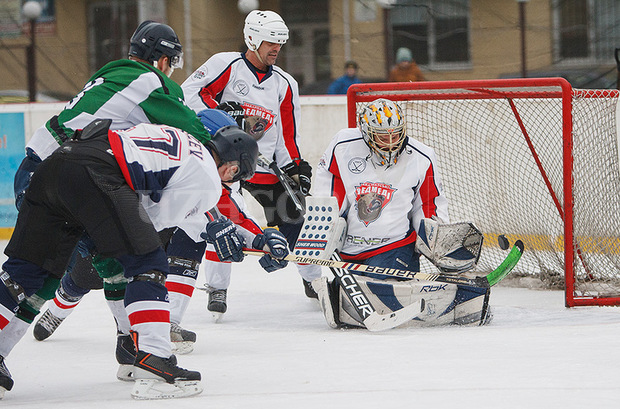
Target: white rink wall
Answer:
pixel 321 118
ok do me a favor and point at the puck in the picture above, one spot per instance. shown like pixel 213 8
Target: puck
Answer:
pixel 503 242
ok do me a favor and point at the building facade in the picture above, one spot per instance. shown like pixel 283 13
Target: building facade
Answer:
pixel 449 39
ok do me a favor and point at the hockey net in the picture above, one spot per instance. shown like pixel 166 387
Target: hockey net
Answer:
pixel 532 159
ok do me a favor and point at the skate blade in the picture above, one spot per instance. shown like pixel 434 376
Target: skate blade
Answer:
pixel 182 347
pixel 125 373
pixel 217 316
pixel 150 389
pixel 2 390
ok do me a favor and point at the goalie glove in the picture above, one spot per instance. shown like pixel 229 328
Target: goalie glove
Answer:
pixel 452 248
pixel 275 243
pixel 228 244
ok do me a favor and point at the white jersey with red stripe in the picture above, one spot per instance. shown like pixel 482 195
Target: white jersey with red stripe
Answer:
pixel 175 174
pixel 273 96
pixel 383 205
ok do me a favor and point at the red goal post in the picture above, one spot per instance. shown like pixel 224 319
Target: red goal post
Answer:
pixel 533 159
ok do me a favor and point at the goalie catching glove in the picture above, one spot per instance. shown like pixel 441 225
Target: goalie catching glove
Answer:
pixel 228 244
pixel 275 243
pixel 452 248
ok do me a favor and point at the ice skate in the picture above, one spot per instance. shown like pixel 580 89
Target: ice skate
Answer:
pixel 6 382
pixel 182 340
pixel 161 378
pixel 310 293
pixel 125 356
pixel 217 303
pixel 46 325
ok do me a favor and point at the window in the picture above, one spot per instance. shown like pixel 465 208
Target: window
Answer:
pixel 585 30
pixel 437 31
pixel 111 25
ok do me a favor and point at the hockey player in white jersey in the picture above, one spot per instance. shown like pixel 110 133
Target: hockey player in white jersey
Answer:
pixel 127 185
pixel 270 100
pixel 387 184
pixel 129 92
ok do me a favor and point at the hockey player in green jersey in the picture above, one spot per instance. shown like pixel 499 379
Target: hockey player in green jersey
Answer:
pixel 129 92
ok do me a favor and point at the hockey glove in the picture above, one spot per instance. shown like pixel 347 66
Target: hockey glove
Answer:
pixel 301 174
pixel 275 243
pixel 234 109
pixel 228 244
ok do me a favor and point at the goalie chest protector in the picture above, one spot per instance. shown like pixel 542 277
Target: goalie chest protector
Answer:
pixel 384 204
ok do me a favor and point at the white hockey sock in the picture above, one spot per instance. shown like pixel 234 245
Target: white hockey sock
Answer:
pixel 180 290
pixel 12 334
pixel 150 319
pixel 62 307
pixel 120 315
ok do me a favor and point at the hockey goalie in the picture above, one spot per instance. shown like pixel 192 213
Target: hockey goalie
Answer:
pixel 387 193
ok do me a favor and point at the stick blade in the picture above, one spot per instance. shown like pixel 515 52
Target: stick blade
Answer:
pixel 378 322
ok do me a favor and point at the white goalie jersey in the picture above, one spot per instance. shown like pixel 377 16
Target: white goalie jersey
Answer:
pixel 383 206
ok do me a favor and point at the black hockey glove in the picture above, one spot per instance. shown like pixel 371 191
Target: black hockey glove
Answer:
pixel 234 109
pixel 228 244
pixel 276 245
pixel 301 174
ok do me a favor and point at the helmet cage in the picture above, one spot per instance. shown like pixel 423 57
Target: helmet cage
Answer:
pixel 383 128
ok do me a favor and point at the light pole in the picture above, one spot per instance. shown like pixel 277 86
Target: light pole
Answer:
pixel 32 11
pixel 522 29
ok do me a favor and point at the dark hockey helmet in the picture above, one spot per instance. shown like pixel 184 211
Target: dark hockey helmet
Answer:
pixel 151 40
pixel 231 143
pixel 214 119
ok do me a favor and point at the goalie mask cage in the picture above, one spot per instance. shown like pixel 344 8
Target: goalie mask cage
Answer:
pixel 532 159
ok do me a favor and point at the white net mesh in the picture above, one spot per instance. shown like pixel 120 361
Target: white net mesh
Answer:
pixel 500 153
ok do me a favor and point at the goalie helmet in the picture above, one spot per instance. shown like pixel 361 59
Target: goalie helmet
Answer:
pixel 231 143
pixel 264 26
pixel 383 128
pixel 152 40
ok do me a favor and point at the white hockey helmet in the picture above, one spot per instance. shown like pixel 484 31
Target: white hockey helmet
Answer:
pixel 264 26
pixel 382 124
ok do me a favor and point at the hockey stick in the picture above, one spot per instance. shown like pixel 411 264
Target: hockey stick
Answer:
pixel 284 179
pixel 485 281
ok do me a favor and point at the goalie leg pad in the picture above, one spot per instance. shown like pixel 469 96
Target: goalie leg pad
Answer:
pixel 328 300
pixel 390 295
pixel 472 306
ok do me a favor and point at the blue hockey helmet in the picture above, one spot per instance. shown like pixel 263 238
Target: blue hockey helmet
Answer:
pixel 214 119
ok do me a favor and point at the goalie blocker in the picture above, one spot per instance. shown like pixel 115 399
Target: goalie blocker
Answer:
pixel 454 248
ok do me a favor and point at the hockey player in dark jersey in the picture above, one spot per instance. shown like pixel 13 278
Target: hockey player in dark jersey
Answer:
pixel 127 185
pixel 129 92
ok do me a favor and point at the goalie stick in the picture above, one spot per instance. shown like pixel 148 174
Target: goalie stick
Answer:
pixel 284 179
pixel 485 281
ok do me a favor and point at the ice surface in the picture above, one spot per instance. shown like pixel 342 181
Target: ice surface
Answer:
pixel 274 350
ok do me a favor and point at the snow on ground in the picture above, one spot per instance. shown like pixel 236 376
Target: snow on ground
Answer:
pixel 273 350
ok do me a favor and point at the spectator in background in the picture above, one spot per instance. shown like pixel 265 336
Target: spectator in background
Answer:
pixel 342 84
pixel 405 69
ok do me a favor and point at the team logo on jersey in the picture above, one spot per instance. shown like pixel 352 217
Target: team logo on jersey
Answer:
pixel 241 88
pixel 200 74
pixel 357 165
pixel 258 119
pixel 370 199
